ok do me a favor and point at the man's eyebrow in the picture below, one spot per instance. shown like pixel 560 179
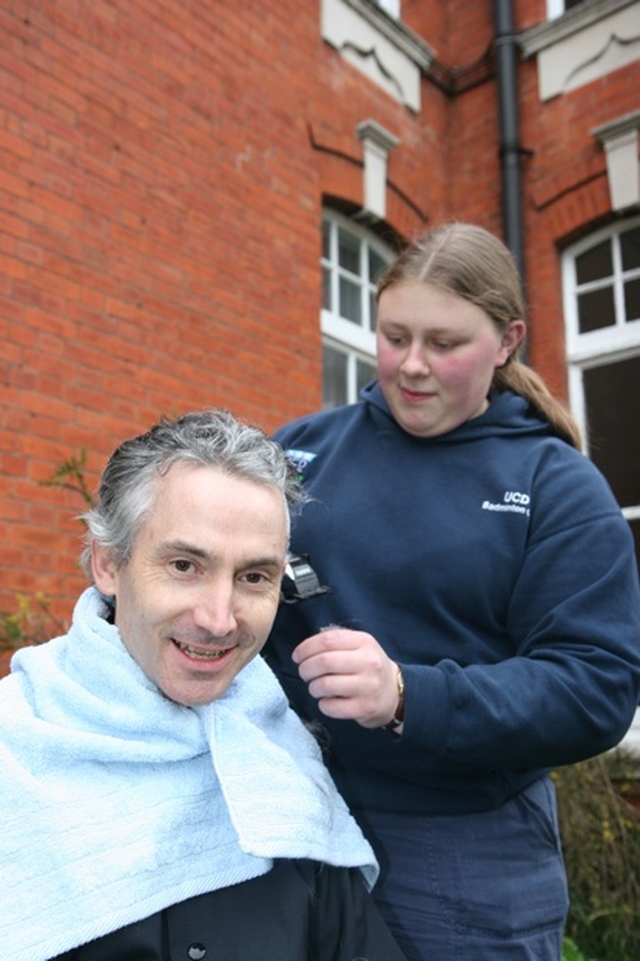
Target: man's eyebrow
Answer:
pixel 184 547
pixel 272 560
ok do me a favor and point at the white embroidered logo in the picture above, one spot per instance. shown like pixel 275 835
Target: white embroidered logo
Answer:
pixel 300 459
pixel 514 502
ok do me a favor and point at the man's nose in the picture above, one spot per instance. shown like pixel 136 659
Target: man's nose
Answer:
pixel 214 611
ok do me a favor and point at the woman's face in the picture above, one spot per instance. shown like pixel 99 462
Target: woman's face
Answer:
pixel 436 356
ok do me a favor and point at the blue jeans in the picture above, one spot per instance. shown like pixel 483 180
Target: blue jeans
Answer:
pixel 474 887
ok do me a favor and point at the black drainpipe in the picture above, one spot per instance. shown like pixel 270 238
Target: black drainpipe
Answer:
pixel 506 49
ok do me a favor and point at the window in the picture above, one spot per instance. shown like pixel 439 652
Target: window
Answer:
pixel 555 8
pixel 392 7
pixel 352 260
pixel 602 311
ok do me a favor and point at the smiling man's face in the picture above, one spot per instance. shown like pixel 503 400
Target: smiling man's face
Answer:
pixel 197 599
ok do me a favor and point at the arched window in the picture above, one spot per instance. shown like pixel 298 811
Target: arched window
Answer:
pixel 601 280
pixel 352 260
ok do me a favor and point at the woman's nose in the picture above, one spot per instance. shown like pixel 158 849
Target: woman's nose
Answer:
pixel 415 361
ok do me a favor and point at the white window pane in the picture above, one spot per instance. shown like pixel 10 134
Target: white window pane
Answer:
pixel 348 252
pixel 373 310
pixel 327 299
pixel 595 263
pixel 376 266
pixel 365 372
pixel 630 248
pixel 596 310
pixel 334 378
pixel 350 301
pixel 614 442
pixel 352 259
pixel 392 7
pixel 326 240
pixel 632 300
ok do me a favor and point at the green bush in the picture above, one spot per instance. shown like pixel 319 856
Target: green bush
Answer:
pixel 31 623
pixel 71 475
pixel 571 952
pixel 601 845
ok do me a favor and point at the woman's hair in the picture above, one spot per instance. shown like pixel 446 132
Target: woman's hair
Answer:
pixel 212 438
pixel 468 261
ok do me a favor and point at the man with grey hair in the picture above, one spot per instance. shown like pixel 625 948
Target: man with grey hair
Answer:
pixel 159 799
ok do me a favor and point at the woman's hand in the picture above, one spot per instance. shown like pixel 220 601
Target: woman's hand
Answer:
pixel 350 675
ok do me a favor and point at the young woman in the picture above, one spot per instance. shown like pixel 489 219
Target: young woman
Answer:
pixel 482 623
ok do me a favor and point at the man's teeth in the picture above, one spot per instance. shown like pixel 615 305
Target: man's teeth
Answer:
pixel 199 653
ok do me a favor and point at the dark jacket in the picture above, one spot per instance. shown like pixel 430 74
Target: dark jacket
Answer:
pixel 299 911
pixel 493 563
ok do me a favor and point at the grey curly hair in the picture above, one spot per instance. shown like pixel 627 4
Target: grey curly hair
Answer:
pixel 209 438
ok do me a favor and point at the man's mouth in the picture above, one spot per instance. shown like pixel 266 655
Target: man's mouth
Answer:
pixel 200 653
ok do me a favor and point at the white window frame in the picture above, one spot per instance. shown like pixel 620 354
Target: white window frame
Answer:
pixel 555 8
pixel 392 7
pixel 352 357
pixel 608 344
pixel 356 341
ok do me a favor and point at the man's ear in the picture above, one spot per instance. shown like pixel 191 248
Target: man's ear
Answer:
pixel 104 569
pixel 510 340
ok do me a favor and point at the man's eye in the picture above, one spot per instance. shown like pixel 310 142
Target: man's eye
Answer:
pixel 183 566
pixel 255 577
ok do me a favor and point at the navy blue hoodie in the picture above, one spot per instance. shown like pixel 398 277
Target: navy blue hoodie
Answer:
pixel 494 565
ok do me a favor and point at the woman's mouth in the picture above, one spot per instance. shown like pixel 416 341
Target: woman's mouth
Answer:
pixel 414 396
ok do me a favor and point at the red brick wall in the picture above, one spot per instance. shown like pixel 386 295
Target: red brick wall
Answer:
pixel 163 170
pixel 159 243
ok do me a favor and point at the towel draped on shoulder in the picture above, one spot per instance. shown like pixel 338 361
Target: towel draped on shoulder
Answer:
pixel 115 802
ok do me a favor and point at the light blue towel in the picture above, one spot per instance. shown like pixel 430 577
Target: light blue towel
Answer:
pixel 115 802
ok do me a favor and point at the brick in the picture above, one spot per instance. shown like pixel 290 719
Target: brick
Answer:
pixel 163 174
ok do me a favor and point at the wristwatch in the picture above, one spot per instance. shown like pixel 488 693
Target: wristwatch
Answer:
pixel 398 718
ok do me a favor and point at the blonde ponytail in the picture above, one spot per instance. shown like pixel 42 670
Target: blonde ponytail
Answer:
pixel 524 381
